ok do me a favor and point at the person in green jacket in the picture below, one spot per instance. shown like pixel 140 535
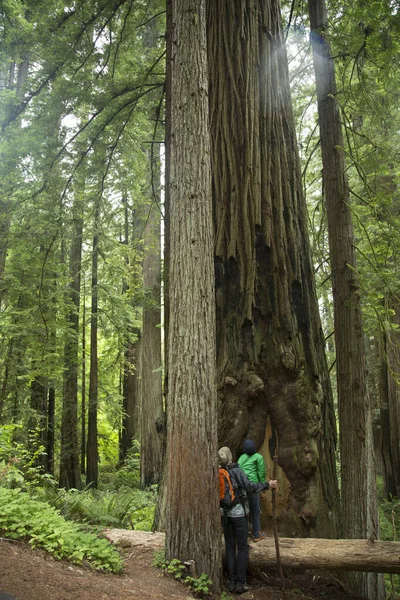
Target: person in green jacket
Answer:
pixel 252 463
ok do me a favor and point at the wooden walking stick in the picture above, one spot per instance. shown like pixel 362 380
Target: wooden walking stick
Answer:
pixel 274 521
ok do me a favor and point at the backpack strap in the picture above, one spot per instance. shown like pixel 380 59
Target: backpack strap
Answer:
pixel 225 478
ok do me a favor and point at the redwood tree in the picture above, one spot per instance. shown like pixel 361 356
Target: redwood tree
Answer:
pixel 272 375
pixel 151 418
pixel 192 509
pixel 358 490
pixel 69 454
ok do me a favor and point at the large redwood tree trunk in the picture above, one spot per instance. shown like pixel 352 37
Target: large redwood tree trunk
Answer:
pixel 192 511
pixel 272 375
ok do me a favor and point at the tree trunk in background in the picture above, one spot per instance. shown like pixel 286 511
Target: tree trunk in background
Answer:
pixel 151 417
pixel 38 421
pixel 69 457
pixel 92 455
pixel 130 393
pixel 51 419
pixel 272 375
pixel 192 511
pixel 393 353
pixel 389 476
pixel 83 384
pixel 4 383
pixel 18 85
pixel 160 512
pixel 389 409
pixel 358 490
pixel 132 351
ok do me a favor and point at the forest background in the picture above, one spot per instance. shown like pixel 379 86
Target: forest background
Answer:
pixel 85 251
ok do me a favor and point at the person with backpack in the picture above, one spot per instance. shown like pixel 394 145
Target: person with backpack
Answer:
pixel 234 488
pixel 253 465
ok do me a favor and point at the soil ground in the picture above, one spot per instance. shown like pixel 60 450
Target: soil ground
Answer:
pixel 28 574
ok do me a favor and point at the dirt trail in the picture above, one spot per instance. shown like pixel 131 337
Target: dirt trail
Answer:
pixel 28 574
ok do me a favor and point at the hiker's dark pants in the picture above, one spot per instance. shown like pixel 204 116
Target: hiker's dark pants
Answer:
pixel 254 501
pixel 236 549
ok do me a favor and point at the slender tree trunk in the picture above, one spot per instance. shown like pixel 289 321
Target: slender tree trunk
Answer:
pixel 389 360
pixel 273 380
pixel 92 442
pixel 51 419
pixel 192 511
pixel 83 386
pixel 130 393
pixel 130 385
pixel 359 504
pixel 4 383
pixel 69 456
pixel 38 421
pixel 389 476
pixel 160 512
pixel 393 353
pixel 151 418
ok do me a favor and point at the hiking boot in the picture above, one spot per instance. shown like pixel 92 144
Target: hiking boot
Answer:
pixel 242 588
pixel 260 536
pixel 231 586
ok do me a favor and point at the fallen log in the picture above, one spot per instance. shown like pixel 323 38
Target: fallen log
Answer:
pixel 342 555
pixel 295 553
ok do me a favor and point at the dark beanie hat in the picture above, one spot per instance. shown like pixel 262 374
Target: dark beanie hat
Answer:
pixel 249 447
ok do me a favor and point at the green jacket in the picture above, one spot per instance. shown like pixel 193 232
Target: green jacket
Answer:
pixel 253 466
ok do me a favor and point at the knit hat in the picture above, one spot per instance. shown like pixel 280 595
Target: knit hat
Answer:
pixel 225 456
pixel 249 447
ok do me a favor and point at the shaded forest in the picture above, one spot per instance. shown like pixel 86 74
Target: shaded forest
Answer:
pixel 199 244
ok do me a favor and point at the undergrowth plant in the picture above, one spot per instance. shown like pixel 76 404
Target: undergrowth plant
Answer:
pixel 200 586
pixel 22 517
pixel 128 509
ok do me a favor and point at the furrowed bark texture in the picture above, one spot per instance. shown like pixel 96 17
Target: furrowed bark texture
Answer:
pixel 69 455
pixel 358 490
pixel 151 428
pixel 389 407
pixel 192 510
pixel 92 454
pixel 130 426
pixel 270 351
pixel 160 512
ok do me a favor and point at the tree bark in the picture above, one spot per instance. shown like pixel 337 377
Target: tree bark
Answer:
pixel 69 454
pixel 273 380
pixel 159 523
pixel 130 393
pixel 151 418
pixel 192 509
pixel 51 419
pixel 389 360
pixel 132 351
pixel 92 455
pixel 83 384
pixel 38 420
pixel 359 504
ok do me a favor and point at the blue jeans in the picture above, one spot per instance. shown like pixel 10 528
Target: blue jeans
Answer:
pixel 254 503
pixel 236 549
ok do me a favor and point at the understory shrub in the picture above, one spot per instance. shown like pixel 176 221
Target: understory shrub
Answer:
pixel 42 525
pixel 128 508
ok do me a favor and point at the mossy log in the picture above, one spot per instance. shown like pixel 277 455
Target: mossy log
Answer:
pixel 296 553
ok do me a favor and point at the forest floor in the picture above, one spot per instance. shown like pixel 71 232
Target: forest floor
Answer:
pixel 28 574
